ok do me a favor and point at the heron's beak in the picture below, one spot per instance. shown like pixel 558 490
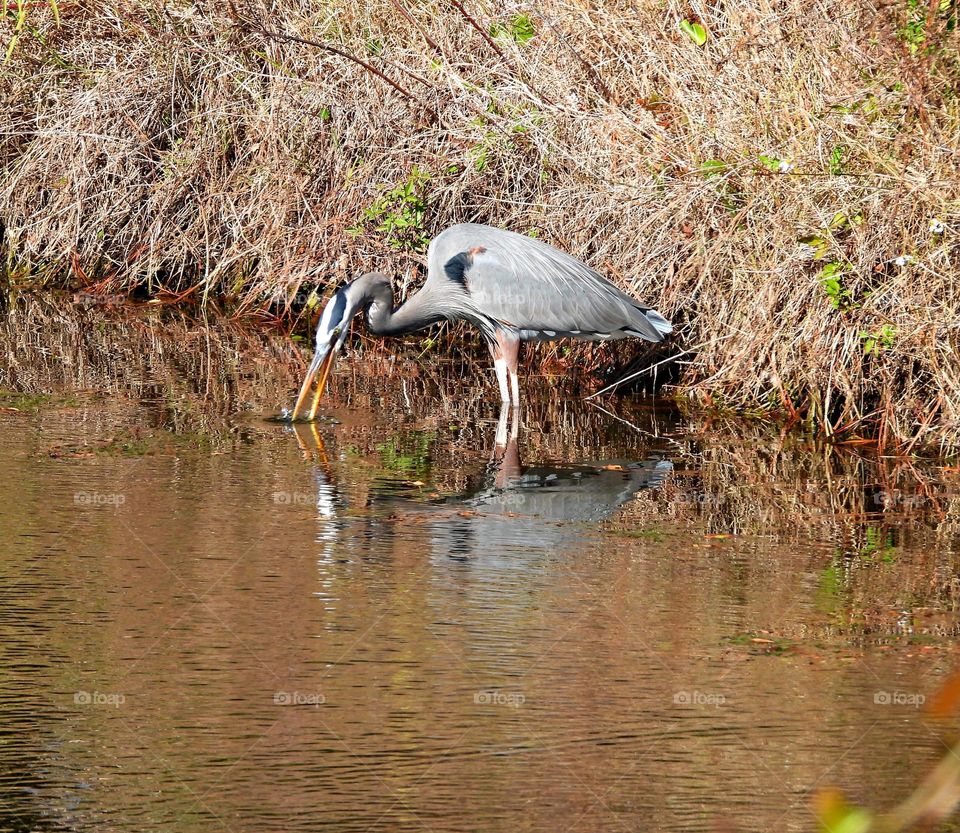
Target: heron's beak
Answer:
pixel 320 366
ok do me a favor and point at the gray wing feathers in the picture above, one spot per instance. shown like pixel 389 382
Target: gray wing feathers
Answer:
pixel 527 284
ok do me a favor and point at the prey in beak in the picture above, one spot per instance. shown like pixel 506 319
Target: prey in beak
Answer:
pixel 331 333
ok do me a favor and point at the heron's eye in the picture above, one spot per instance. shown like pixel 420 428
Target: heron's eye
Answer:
pixel 336 331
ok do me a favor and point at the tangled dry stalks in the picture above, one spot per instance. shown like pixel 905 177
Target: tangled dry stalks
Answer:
pixel 786 190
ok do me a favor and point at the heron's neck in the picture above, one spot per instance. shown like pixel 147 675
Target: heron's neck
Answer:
pixel 418 312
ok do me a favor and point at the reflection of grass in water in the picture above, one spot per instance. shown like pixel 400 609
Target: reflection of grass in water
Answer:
pixel 736 478
pixel 831 586
pixel 162 442
pixel 651 534
pixel 762 643
pixel 407 455
pixel 137 445
pixel 130 447
pixel 35 401
pixel 878 545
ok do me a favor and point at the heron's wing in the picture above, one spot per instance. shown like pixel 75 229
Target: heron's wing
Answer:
pixel 529 285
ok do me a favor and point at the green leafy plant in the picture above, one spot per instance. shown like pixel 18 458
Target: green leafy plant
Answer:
pixel 493 142
pixel 914 31
pixel 867 106
pixel 775 164
pixel 876 342
pixel 399 213
pixel 841 221
pixel 480 153
pixel 820 243
pixel 837 158
pixel 519 28
pixel 713 167
pixel 694 31
pixel 771 163
pixel 925 24
pixel 831 279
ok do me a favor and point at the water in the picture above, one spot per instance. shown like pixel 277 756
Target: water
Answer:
pixel 632 621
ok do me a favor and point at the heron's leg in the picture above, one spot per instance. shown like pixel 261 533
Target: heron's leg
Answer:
pixel 510 349
pixel 508 469
pixel 500 442
pixel 500 365
pixel 506 354
pixel 505 460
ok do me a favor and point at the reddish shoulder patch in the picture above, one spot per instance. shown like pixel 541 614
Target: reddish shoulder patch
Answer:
pixel 476 250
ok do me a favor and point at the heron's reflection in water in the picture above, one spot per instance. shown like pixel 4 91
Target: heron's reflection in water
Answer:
pixel 331 502
pixel 515 508
pixel 540 507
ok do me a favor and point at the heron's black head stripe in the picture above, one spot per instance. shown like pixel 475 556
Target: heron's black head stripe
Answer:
pixel 456 268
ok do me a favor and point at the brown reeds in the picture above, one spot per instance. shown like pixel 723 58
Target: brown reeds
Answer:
pixel 787 191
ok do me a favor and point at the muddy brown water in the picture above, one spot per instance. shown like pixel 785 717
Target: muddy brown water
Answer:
pixel 646 622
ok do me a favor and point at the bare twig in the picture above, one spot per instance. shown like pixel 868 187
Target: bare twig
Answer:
pixel 343 54
pixel 413 22
pixel 503 57
pixel 591 71
pixel 675 356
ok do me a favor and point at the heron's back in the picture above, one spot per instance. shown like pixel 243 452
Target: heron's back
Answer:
pixel 534 289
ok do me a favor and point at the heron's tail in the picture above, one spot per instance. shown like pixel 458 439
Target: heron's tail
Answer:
pixel 660 324
pixel 650 325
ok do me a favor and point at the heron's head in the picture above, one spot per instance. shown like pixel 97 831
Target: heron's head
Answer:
pixel 332 332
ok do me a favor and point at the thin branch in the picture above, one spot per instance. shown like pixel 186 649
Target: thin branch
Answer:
pixel 492 44
pixel 591 71
pixel 413 22
pixel 343 54
pixel 657 364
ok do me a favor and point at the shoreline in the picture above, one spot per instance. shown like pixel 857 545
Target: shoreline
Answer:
pixel 571 369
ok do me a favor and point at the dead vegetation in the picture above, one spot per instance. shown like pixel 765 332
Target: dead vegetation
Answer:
pixel 778 177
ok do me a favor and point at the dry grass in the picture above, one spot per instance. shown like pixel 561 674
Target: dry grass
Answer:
pixel 177 149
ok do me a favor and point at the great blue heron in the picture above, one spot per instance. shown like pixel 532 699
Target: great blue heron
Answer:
pixel 511 287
